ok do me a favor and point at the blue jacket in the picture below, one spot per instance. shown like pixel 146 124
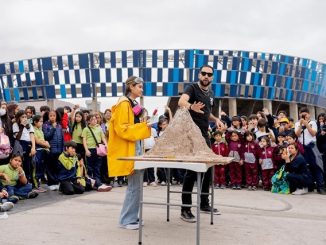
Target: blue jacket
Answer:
pixel 54 136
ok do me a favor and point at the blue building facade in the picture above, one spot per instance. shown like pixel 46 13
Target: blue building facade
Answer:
pixel 237 74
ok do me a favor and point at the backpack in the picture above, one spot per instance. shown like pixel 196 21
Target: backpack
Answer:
pixel 279 182
pixel 5 148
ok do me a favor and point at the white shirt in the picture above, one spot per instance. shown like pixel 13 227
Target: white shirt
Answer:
pixel 308 138
pixel 25 135
pixel 150 142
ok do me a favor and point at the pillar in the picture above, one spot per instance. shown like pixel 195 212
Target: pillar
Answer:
pixel 294 113
pixel 268 105
pixel 232 107
pixel 319 110
pixel 312 112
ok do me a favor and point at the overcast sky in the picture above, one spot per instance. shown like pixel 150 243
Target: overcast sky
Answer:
pixel 36 28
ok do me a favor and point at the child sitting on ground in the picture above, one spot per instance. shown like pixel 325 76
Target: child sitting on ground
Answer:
pixel 14 180
pixel 4 206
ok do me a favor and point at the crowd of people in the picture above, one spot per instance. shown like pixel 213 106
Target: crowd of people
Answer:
pixel 60 148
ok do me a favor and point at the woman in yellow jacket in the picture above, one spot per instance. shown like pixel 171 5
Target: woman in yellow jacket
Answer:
pixel 126 131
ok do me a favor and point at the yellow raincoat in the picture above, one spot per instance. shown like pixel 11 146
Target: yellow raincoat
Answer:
pixel 123 134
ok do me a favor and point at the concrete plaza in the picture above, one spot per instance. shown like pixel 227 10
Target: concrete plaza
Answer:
pixel 247 218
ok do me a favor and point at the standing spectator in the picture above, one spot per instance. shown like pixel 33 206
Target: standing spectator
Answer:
pixel 126 130
pixel 63 119
pixel 12 109
pixel 306 131
pixel 220 149
pixel 321 120
pixel 30 112
pixel 250 153
pixel 263 130
pixel 266 161
pixel 253 121
pixel 77 129
pixel 5 127
pixel 321 144
pixel 93 135
pixel 24 133
pixel 54 135
pixel 44 109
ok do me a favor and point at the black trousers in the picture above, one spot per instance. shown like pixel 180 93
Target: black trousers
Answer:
pixel 188 185
pixel 71 187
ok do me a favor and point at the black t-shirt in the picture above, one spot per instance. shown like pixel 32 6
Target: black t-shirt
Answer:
pixel 207 98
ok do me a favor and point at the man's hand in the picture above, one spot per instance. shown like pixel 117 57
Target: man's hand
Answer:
pixel 196 107
pixel 266 111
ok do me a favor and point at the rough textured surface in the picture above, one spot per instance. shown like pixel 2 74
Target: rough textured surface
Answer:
pixel 182 139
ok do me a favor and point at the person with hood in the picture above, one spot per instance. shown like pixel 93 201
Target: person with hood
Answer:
pixel 126 130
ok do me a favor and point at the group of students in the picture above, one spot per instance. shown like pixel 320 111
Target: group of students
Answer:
pixel 258 145
pixel 58 147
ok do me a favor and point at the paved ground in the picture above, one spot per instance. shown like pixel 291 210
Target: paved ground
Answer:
pixel 247 218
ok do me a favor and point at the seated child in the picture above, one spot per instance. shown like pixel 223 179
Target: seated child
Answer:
pixel 14 180
pixel 4 206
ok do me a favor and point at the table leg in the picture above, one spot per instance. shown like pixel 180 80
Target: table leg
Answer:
pixel 168 196
pixel 212 196
pixel 140 210
pixel 198 208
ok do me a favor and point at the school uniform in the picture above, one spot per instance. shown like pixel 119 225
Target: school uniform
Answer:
pixel 267 155
pixel 250 153
pixel 235 151
pixel 220 148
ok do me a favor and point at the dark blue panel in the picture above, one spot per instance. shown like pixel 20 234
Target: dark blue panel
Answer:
pixel 119 75
pixel 83 61
pixel 165 58
pixel 28 80
pixel 25 94
pixel 219 89
pixel 159 74
pixel 154 58
pixel 271 92
pixel 86 90
pixel 265 67
pixel 19 80
pixel 245 54
pixel 108 75
pixel 257 65
pixel 176 75
pixel 170 89
pixel 60 63
pixel 149 89
pixel 217 76
pixel 91 60
pixel 2 69
pixel 56 77
pixel 124 58
pixel 102 60
pixel 235 63
pixel 233 91
pixel 50 92
pixel 12 67
pixel 114 89
pixel 135 58
pixel 77 76
pixel 176 58
pixel 170 75
pixel 87 75
pixel 38 78
pixel 180 75
pixel 191 75
pixel 225 63
pixel 103 90
pixel 274 67
pixel 46 77
pixel 246 93
pixel 130 72
pixel 243 77
pixel 39 67
pixel 47 63
pixel 95 75
pixel 30 65
pixel 113 59
pixel 147 74
pixel 143 58
pixel 73 91
pixel 67 78
pixel 70 62
pixel 34 93
pixel 9 81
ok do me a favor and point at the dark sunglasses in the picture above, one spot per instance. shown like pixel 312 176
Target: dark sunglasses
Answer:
pixel 206 73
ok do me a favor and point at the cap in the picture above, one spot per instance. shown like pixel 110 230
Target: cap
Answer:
pixel 283 120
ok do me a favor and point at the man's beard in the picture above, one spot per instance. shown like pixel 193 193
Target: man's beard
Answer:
pixel 204 84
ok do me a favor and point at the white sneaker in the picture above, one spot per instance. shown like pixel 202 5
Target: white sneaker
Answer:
pixel 153 184
pixel 300 191
pixel 163 183
pixel 145 184
pixel 132 226
pixel 104 188
pixel 53 187
pixel 4 216
pixel 6 206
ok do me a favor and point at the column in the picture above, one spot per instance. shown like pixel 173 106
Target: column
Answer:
pixel 294 113
pixel 232 107
pixel 312 112
pixel 320 110
pixel 268 104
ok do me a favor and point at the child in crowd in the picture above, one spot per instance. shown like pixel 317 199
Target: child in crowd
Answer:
pixel 63 119
pixel 54 135
pixel 4 205
pixel 93 134
pixel 293 139
pixel 14 180
pixel 77 128
pixel 281 144
pixel 266 160
pixel 24 133
pixel 68 165
pixel 235 151
pixel 42 153
pixel 251 152
pixel 221 149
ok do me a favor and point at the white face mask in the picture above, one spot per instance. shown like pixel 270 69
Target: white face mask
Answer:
pixel 3 112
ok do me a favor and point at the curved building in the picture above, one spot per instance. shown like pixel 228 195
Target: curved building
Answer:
pixel 244 81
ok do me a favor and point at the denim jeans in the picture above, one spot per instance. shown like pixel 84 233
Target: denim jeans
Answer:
pixel 130 208
pixel 94 163
pixel 19 190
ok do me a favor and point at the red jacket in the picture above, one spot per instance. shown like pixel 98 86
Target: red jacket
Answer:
pixel 65 127
pixel 220 149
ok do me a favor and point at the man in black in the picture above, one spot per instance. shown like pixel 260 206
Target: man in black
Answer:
pixel 198 98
